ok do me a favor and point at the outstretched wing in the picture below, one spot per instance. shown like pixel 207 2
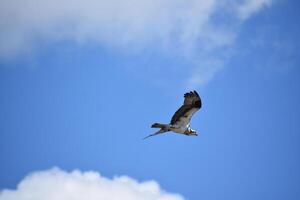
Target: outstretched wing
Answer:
pixel 192 103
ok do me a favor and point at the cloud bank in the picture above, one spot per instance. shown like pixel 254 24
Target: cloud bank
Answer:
pixel 195 29
pixel 55 184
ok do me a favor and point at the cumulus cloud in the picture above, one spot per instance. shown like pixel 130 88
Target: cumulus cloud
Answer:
pixel 191 28
pixel 55 184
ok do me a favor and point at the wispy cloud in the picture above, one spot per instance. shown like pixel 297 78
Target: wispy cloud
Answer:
pixel 118 23
pixel 250 7
pixel 194 28
pixel 55 184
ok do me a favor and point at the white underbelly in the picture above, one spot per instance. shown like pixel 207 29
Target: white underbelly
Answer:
pixel 180 127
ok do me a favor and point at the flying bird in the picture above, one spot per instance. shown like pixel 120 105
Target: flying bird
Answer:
pixel 180 122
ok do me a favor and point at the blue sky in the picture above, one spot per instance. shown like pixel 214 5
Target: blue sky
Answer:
pixel 79 90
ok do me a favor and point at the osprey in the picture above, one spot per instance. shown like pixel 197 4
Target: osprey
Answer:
pixel 180 122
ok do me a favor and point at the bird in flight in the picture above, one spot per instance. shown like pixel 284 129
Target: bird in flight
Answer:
pixel 180 122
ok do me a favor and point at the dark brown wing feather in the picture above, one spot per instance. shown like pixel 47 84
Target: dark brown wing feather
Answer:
pixel 192 103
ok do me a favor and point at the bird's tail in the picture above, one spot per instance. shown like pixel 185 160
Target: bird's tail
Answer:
pixel 162 126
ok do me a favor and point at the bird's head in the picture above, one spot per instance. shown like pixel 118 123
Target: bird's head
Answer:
pixel 193 132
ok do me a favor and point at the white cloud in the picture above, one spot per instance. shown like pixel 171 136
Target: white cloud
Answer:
pixel 204 73
pixel 187 27
pixel 117 23
pixel 250 7
pixel 55 184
